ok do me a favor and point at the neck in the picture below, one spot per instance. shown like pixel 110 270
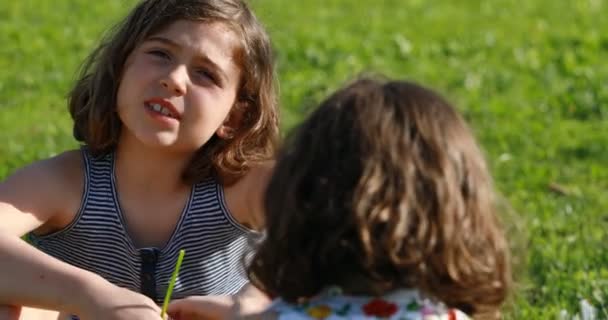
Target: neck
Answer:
pixel 150 170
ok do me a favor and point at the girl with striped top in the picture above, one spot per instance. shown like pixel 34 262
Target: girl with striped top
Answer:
pixel 177 114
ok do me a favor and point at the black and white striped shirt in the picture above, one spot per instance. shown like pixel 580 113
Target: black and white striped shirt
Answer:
pixel 97 241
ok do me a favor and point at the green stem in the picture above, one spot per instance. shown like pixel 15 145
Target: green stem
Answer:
pixel 180 258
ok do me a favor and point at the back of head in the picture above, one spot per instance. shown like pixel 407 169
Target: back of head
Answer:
pixel 384 187
pixel 92 101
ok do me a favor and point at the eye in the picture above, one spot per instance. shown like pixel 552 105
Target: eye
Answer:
pixel 206 74
pixel 159 54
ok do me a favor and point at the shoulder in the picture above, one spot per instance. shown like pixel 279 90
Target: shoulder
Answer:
pixel 47 188
pixel 64 171
pixel 260 175
pixel 245 198
pixel 256 182
pixel 60 171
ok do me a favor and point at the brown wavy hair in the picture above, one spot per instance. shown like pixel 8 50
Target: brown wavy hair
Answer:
pixel 384 187
pixel 92 101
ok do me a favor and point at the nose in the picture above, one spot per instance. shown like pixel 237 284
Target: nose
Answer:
pixel 175 81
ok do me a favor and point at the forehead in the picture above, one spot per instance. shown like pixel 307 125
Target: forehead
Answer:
pixel 198 30
pixel 215 40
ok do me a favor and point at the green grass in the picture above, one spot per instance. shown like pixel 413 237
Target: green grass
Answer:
pixel 530 76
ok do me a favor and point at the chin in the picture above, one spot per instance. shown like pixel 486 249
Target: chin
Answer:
pixel 171 145
pixel 160 141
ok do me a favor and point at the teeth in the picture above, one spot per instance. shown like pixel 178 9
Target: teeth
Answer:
pixel 160 109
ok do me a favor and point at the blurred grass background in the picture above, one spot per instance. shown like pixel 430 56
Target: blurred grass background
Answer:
pixel 530 76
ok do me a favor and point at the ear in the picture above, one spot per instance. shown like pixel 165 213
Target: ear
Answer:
pixel 233 121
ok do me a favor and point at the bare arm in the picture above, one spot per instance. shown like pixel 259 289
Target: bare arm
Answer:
pixel 248 303
pixel 38 280
pixel 250 300
pixel 45 197
pixel 35 197
pixel 269 315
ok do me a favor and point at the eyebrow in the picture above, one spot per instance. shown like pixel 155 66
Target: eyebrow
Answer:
pixel 200 56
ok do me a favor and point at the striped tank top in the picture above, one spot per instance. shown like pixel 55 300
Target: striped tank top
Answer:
pixel 97 241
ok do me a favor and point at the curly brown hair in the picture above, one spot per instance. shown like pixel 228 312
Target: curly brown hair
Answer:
pixel 384 187
pixel 92 101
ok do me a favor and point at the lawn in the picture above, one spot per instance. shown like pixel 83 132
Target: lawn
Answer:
pixel 530 76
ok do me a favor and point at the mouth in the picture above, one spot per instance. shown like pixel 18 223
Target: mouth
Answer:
pixel 162 107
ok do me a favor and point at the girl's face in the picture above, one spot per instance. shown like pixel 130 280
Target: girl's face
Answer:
pixel 179 86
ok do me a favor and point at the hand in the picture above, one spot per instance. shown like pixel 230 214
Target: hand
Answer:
pixel 9 312
pixel 249 301
pixel 202 308
pixel 105 301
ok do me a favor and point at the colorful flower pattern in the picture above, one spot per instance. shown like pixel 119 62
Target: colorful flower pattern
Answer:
pixel 401 305
pixel 319 312
pixel 380 308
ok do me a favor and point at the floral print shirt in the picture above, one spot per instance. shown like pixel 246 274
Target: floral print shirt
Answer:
pixel 399 305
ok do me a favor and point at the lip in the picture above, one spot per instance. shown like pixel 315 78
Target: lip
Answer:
pixel 165 104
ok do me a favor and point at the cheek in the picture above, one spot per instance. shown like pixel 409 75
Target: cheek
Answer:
pixel 211 107
pixel 123 96
pixel 137 73
pixel 132 84
pixel 120 97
